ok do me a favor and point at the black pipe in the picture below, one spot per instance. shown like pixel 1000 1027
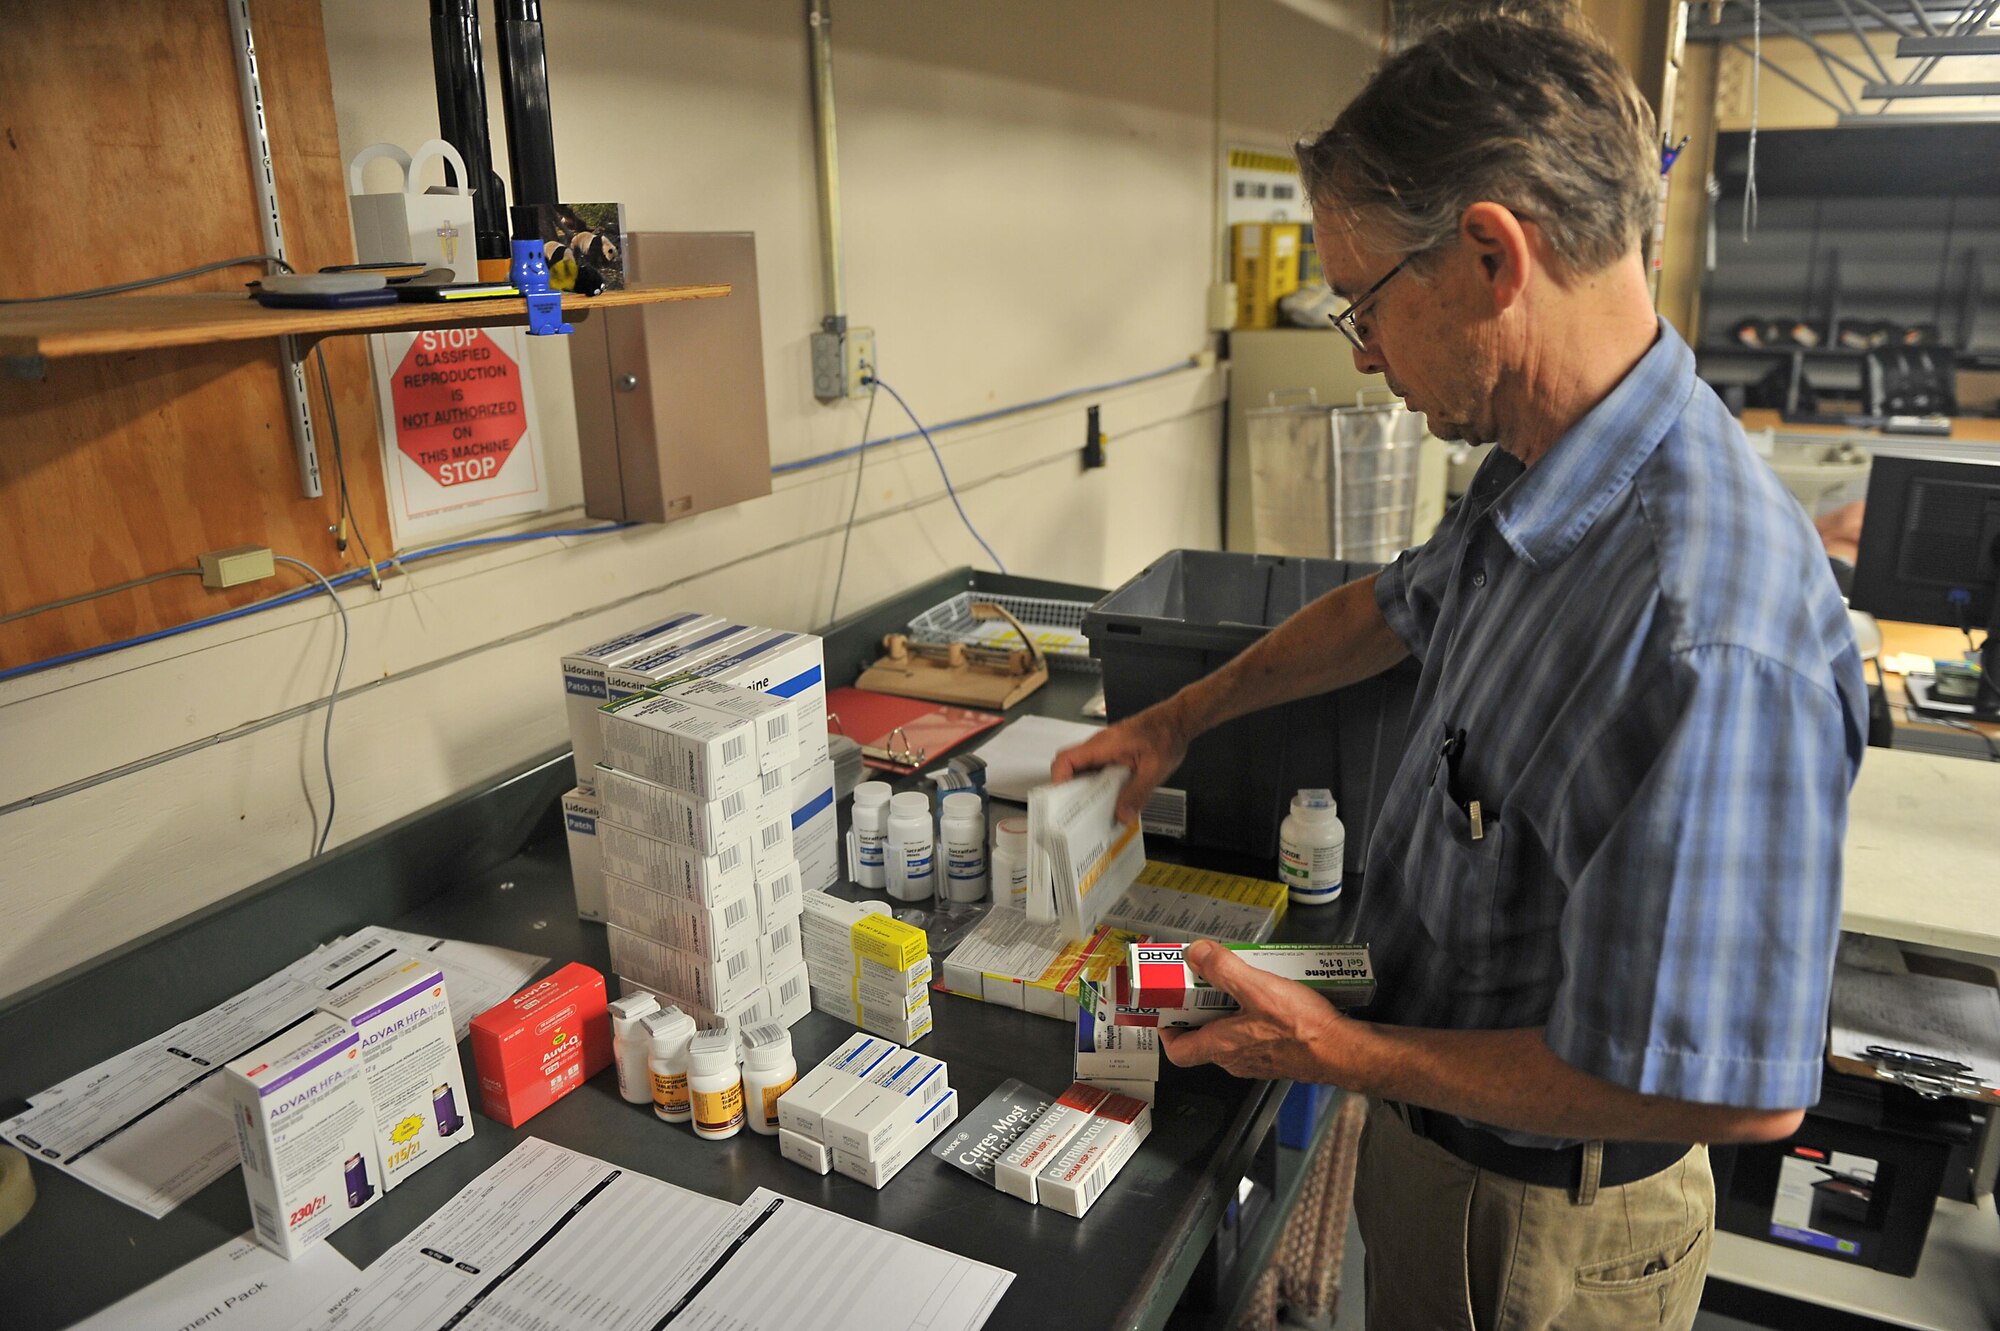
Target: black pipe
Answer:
pixel 524 88
pixel 461 96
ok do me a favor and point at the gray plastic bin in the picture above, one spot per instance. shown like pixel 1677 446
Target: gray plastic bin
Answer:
pixel 1187 614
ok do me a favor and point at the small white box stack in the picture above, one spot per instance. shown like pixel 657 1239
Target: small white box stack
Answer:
pixel 868 1109
pixel 704 734
pixel 867 967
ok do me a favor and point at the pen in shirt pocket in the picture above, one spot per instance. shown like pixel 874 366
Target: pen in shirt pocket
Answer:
pixel 1450 754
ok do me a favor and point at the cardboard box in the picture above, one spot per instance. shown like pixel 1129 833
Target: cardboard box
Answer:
pixel 771 845
pixel 886 1105
pixel 586 861
pixel 1161 978
pixel 692 978
pixel 815 834
pixel 790 996
pixel 1079 1175
pixel 672 815
pixel 306 1130
pixel 904 1026
pixel 1016 1171
pixel 1106 1050
pixel 584 687
pixel 677 870
pixel 803 1108
pixel 689 926
pixel 867 934
pixel 773 717
pixel 1148 1091
pixel 890 1160
pixel 1265 267
pixel 678 745
pixel 541 1044
pixel 788 665
pixel 409 1050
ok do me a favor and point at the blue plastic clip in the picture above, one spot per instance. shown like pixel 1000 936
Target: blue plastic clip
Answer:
pixel 530 276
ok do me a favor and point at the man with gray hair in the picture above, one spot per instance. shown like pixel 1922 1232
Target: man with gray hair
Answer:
pixel 1604 889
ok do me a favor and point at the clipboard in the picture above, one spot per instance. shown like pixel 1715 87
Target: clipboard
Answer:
pixel 902 735
pixel 1932 1062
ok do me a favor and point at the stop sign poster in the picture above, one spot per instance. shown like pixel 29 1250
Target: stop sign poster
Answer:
pixel 460 446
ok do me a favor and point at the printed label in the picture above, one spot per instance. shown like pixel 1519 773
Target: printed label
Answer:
pixel 771 1094
pixel 871 849
pixel 719 1111
pixel 670 1092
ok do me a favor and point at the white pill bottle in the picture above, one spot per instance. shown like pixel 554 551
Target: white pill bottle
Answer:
pixel 911 854
pixel 768 1072
pixel 962 841
pixel 715 1085
pixel 667 1034
pixel 1312 845
pixel 871 830
pixel 630 1046
pixel 1010 863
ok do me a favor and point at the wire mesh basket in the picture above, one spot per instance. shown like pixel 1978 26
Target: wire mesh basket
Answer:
pixel 1056 626
pixel 1334 482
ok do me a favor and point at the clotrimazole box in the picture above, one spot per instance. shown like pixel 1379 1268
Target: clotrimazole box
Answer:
pixel 1081 1172
pixel 1161 977
pixel 306 1130
pixel 1037 1148
pixel 409 1048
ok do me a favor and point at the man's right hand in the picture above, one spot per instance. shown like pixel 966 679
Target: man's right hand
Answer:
pixel 1151 744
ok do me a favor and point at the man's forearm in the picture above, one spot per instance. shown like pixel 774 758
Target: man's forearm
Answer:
pixel 1512 1079
pixel 1338 639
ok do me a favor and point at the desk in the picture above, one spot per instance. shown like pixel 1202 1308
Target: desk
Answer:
pixel 1913 730
pixel 492 867
pixel 1964 430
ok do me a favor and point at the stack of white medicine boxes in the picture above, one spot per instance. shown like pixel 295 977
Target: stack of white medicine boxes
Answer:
pixel 867 1110
pixel 706 758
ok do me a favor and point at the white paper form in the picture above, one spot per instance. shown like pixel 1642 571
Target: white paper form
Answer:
pixel 149 1127
pixel 546 1238
pixel 241 1286
pixel 1018 757
pixel 781 1264
pixel 1917 1014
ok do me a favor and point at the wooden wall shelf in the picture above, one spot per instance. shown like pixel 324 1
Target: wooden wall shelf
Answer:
pixel 33 334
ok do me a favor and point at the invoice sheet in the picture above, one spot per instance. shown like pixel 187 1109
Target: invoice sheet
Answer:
pixel 241 1286
pixel 546 1238
pixel 780 1264
pixel 149 1126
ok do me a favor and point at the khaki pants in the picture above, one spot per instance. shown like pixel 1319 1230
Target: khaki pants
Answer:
pixel 1453 1246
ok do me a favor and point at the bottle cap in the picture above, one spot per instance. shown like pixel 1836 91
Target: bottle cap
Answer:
pixel 711 1052
pixel 910 804
pixel 1314 805
pixel 1011 835
pixel 869 794
pixel 667 1031
pixel 961 804
pixel 766 1046
pixel 629 1011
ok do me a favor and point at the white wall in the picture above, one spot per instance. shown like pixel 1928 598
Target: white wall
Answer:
pixel 1028 195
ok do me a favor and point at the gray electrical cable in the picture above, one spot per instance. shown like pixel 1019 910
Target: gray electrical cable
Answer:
pixel 139 283
pixel 860 460
pixel 346 505
pixel 79 599
pixel 333 696
pixel 1756 71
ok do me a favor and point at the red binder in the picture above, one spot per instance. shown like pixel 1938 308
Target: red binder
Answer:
pixel 902 735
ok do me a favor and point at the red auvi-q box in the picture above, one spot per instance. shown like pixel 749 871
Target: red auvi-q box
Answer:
pixel 541 1044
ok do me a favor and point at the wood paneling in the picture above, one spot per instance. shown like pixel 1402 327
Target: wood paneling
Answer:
pixel 122 155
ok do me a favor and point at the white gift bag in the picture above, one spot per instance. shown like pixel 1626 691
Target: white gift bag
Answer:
pixel 431 226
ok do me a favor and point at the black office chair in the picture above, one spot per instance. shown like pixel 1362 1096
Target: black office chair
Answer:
pixel 1909 381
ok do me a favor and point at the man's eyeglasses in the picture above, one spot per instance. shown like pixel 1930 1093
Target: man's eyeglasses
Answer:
pixel 1348 320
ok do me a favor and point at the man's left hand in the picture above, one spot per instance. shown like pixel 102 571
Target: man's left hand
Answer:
pixel 1284 1031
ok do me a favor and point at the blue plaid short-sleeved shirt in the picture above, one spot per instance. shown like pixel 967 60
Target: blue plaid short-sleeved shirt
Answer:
pixel 1663 711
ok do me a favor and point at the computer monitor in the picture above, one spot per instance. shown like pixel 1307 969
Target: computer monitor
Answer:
pixel 1930 553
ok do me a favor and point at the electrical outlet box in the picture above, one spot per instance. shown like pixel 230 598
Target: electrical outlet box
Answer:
pixel 829 368
pixel 858 360
pixel 237 565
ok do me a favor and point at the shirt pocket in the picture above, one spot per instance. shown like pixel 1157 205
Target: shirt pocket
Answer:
pixel 1455 879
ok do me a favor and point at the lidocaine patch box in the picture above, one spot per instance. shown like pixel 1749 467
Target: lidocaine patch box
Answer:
pixel 815 832
pixel 888 1162
pixel 678 745
pixel 715 983
pixel 586 862
pixel 802 1150
pixel 803 1108
pixel 644 674
pixel 674 815
pixel 677 870
pixel 1161 977
pixel 679 923
pixel 886 1105
pixel 409 1049
pixel 306 1130
pixel 1084 1168
pixel 584 672
pixel 773 717
pixel 790 666
pixel 541 1044
pixel 1032 1152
